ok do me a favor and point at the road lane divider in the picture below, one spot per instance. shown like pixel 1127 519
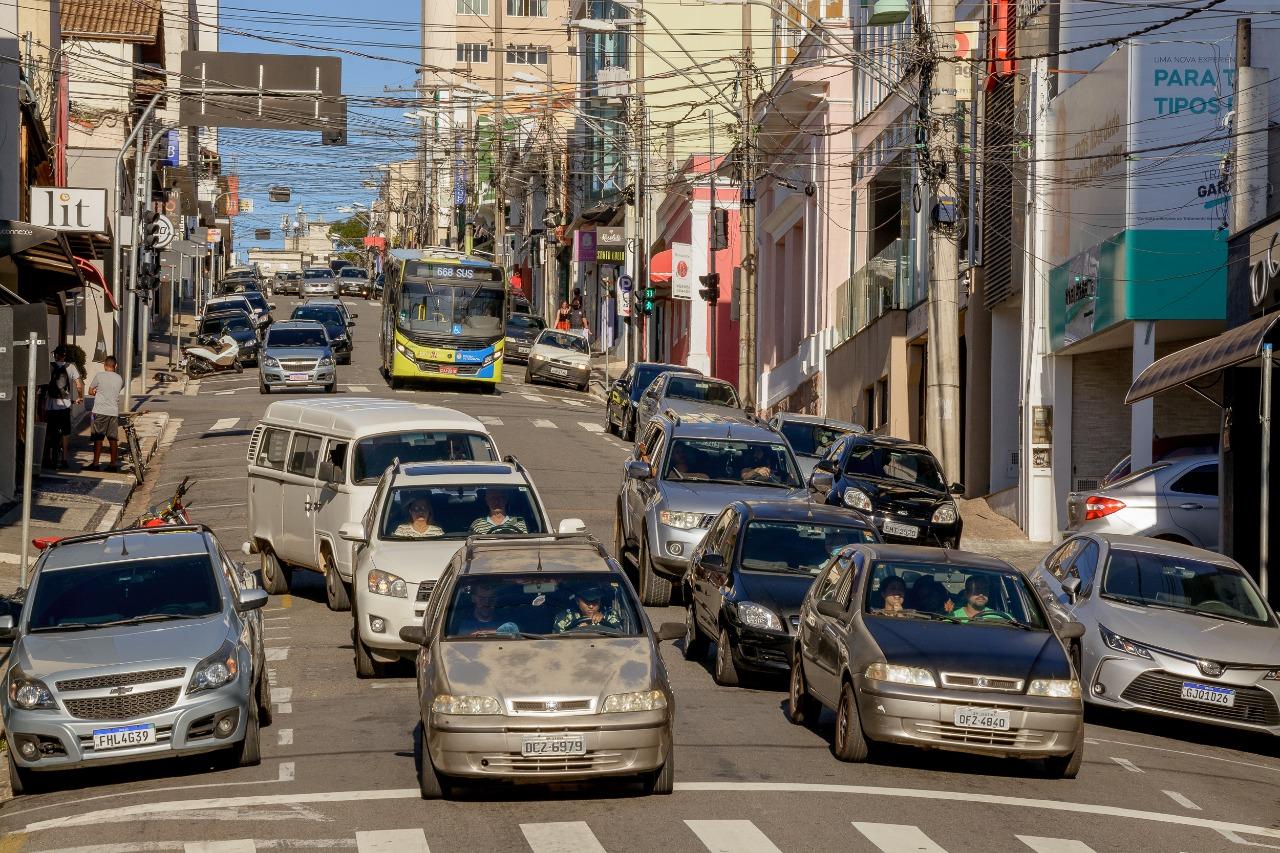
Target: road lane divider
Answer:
pixel 1054 845
pixel 897 838
pixel 1181 800
pixel 561 837
pixel 1127 765
pixel 284 737
pixel 286 772
pixel 731 836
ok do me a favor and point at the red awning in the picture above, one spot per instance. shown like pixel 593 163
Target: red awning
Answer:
pixel 94 275
pixel 660 266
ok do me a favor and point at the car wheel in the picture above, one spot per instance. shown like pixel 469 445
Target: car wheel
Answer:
pixel 332 387
pixel 21 780
pixel 528 378
pixel 335 591
pixel 1066 766
pixel 583 388
pixel 265 712
pixel 802 708
pixel 431 785
pixel 629 427
pixel 850 743
pixel 663 780
pixel 366 666
pixel 263 389
pixel 239 367
pixel 619 538
pixel 695 642
pixel 248 752
pixel 275 577
pixel 654 591
pixel 726 671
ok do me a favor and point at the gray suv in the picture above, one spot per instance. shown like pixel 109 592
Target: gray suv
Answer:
pixel 132 645
pixel 297 354
pixel 684 470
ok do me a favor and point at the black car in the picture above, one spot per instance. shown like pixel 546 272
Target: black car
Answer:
pixel 238 325
pixel 624 393
pixel 896 484
pixel 748 577
pixel 522 329
pixel 335 323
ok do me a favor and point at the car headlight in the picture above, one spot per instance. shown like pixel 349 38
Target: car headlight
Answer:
pixel 325 362
pixel 29 694
pixel 1057 688
pixel 405 351
pixel 857 499
pixel 681 520
pixel 385 583
pixel 1273 675
pixel 447 703
pixel 945 514
pixel 916 676
pixel 644 700
pixel 758 616
pixel 270 362
pixel 1123 644
pixel 216 670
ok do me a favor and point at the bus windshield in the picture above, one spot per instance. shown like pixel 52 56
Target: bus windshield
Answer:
pixel 450 308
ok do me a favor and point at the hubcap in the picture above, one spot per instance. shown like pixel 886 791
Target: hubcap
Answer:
pixel 842 724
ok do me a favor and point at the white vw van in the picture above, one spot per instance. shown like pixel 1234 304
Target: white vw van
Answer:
pixel 314 464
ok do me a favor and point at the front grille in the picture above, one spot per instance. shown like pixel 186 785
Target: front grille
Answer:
pixel 126 707
pixel 951 733
pixel 565 706
pixel 299 365
pixel 447 341
pixel 121 679
pixel 1254 705
pixel 514 762
pixel 981 682
pixel 424 591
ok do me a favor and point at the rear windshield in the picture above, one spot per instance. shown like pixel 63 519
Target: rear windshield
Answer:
pixel 526 321
pixel 319 313
pixel 297 338
pixel 373 455
pixel 214 325
pixel 174 587
pixel 702 390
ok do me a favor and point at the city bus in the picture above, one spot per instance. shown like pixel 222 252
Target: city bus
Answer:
pixel 444 316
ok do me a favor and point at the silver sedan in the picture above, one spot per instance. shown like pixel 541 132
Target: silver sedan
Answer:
pixel 1176 499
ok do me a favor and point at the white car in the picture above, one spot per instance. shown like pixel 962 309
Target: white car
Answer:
pixel 561 357
pixel 422 513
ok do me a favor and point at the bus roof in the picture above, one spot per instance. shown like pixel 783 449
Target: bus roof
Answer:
pixel 442 254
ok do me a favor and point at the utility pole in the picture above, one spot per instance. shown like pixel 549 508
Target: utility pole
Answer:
pixel 499 197
pixel 714 278
pixel 1249 166
pixel 747 225
pixel 942 419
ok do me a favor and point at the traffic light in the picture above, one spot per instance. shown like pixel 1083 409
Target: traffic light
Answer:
pixel 710 287
pixel 150 231
pixel 719 228
pixel 149 274
pixel 647 299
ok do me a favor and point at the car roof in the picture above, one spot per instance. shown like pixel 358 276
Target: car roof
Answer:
pixel 223 312
pixel 888 441
pixel 940 556
pixel 1148 545
pixel 738 425
pixel 676 368
pixel 818 420
pixel 125 545
pixel 501 555
pixel 295 324
pixel 469 472
pixel 802 512
pixel 371 415
pixel 321 300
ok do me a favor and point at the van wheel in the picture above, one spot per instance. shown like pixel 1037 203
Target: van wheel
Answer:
pixel 366 666
pixel 275 577
pixel 654 591
pixel 335 591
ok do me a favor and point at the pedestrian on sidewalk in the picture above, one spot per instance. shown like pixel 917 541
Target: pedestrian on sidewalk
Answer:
pixel 562 317
pixel 63 391
pixel 105 389
pixel 578 322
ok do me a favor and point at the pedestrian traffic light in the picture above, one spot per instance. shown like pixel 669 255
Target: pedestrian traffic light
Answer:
pixel 150 230
pixel 647 300
pixel 719 228
pixel 710 287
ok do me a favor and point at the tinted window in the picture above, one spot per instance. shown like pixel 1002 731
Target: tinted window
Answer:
pixel 273 449
pixel 1201 480
pixel 730 461
pixel 644 378
pixel 1061 558
pixel 810 439
pixel 297 338
pixel 526 321
pixel 174 587
pixel 456 512
pixel 309 274
pixel 257 300
pixel 1085 565
pixel 1193 586
pixel 548 604
pixel 890 463
pixel 373 455
pixel 954 593
pixel 702 390
pixel 328 314
pixel 353 272
pixel 304 454
pixel 792 547
pixel 562 340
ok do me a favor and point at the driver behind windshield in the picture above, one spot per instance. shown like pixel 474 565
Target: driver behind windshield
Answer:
pixel 759 465
pixel 589 610
pixel 976 593
pixel 497 518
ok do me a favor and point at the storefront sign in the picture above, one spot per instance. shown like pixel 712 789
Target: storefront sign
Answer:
pixel 69 209
pixel 681 271
pixel 611 237
pixel 1264 262
pixel 584 246
pixel 610 256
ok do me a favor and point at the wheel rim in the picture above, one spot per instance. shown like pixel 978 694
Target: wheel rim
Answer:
pixel 689 628
pixel 842 724
pixel 795 689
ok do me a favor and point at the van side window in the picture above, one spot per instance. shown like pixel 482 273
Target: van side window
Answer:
pixel 304 454
pixel 272 449
pixel 337 454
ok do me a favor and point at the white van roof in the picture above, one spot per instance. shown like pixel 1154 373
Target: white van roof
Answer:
pixel 367 415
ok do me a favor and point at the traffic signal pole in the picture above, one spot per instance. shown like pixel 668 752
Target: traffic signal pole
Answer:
pixel 713 283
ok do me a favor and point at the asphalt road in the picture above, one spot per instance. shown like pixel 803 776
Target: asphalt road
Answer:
pixel 338 768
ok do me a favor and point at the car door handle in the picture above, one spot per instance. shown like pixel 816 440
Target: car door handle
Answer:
pixel 1190 506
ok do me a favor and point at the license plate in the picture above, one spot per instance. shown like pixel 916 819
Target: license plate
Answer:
pixel 450 369
pixel 124 736
pixel 894 528
pixel 298 377
pixel 557 371
pixel 982 718
pixel 1222 696
pixel 558 745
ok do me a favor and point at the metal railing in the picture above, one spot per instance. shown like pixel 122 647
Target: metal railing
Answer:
pixel 885 283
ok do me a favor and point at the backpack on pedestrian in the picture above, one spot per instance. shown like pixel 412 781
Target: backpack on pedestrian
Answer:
pixel 59 384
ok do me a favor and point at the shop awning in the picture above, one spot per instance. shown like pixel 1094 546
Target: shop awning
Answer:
pixel 1231 348
pixel 660 266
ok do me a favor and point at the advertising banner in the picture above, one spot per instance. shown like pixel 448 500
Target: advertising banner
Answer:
pixel 681 271
pixel 69 209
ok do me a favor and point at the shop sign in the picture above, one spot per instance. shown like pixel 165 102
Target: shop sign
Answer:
pixel 681 271
pixel 611 237
pixel 1264 262
pixel 69 209
pixel 611 256
pixel 584 246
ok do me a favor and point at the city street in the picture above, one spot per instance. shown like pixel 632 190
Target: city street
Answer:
pixel 338 765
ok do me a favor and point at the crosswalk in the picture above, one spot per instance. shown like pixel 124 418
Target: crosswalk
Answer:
pixel 231 425
pixel 715 836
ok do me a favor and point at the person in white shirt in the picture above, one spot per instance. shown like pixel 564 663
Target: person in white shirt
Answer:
pixel 105 390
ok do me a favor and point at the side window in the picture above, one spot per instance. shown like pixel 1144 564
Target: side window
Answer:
pixel 627 378
pixel 729 544
pixel 646 444
pixel 658 448
pixel 337 454
pixel 1059 562
pixel 273 449
pixel 834 454
pixel 713 542
pixel 1201 480
pixel 375 507
pixel 1085 565
pixel 829 581
pixel 304 454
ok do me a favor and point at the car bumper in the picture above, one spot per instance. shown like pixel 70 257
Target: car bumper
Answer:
pixel 940 535
pixel 670 552
pixel 1155 686
pixel 274 377
pixel 179 731
pixel 760 651
pixel 517 351
pixel 920 717
pixel 546 372
pixel 490 747
pixel 395 613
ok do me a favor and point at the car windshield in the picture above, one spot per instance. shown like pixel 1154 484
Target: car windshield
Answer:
pixel 526 321
pixel 321 273
pixel 256 299
pixel 562 340
pixel 793 547
pixel 459 511
pixel 327 314
pixel 373 455
pixel 702 390
pixel 239 303
pixel 216 325
pixel 953 593
pixel 810 439
pixel 546 605
pixel 172 587
pixel 297 338
pixel 892 463
pixel 756 463
pixel 1193 586
pixel 353 272
pixel 450 308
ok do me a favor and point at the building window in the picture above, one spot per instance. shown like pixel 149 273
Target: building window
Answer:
pixel 473 7
pixel 882 402
pixel 527 8
pixel 526 54
pixel 473 52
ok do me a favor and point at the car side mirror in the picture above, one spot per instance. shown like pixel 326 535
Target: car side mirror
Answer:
pixel 271 306
pixel 251 599
pixel 670 631
pixel 1071 631
pixel 351 324
pixel 355 316
pixel 415 634
pixel 638 469
pixel 956 489
pixel 712 561
pixel 572 525
pixel 825 465
pixel 246 548
pixel 821 481
pixel 1071 586
pixel 353 531
pixel 6 627
pixel 331 473
pixel 831 610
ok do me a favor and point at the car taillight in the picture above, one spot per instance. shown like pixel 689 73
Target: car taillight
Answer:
pixel 1096 506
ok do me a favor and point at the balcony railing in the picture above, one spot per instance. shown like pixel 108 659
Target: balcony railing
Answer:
pixel 886 283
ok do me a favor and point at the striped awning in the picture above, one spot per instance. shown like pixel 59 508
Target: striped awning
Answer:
pixel 1234 347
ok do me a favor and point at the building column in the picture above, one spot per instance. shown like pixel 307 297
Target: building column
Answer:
pixel 1003 470
pixel 1142 415
pixel 699 356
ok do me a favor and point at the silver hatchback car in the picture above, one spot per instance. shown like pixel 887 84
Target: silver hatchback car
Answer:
pixel 134 645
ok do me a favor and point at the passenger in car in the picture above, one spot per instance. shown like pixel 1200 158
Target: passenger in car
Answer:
pixel 928 595
pixel 421 523
pixel 894 591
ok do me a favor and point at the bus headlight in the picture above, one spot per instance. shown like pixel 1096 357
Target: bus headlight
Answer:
pixel 405 351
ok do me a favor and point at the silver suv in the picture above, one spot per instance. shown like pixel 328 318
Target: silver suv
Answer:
pixel 684 470
pixel 297 354
pixel 133 645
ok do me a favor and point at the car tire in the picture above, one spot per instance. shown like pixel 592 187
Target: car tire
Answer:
pixel 528 378
pixel 654 591
pixel 662 781
pixel 332 387
pixel 1066 766
pixel 850 744
pixel 21 780
pixel 275 576
pixel 584 387
pixel 695 642
pixel 431 785
pixel 629 427
pixel 366 666
pixel 266 714
pixel 263 389
pixel 248 752
pixel 619 538
pixel 608 423
pixel 802 708
pixel 725 672
pixel 335 591
pixel 239 367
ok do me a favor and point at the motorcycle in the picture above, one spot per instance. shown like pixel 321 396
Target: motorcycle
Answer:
pixel 173 511
pixel 210 355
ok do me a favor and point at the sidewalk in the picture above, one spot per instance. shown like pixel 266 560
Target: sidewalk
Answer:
pixel 988 532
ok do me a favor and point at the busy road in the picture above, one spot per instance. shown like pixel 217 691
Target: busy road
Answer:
pixel 338 760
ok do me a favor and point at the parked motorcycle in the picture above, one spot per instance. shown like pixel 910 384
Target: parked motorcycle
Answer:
pixel 172 511
pixel 210 355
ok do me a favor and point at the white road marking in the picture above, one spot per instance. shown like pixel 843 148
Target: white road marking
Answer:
pixel 223 425
pixel 277 654
pixel 1272 767
pixel 358 389
pixel 897 838
pixel 281 637
pixel 591 427
pixel 282 694
pixel 1181 800
pixel 731 836
pixel 284 707
pixel 404 390
pixel 1235 838
pixel 577 403
pixel 534 398
pixel 490 420
pixel 240 845
pixel 1127 765
pixel 277 618
pixel 1054 845
pixel 392 841
pixel 544 423
pixel 564 837
pixel 284 737
pixel 286 772
pixel 271 677
pixel 383 685
pixel 224 393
